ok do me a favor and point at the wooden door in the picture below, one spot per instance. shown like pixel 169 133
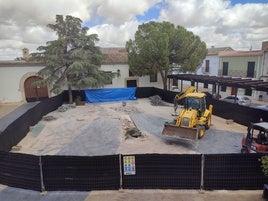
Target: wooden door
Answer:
pixel 34 93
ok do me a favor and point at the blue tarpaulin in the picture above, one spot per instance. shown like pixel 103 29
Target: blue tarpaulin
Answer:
pixel 110 94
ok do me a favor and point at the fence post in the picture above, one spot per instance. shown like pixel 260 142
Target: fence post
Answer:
pixel 120 170
pixel 202 171
pixel 41 175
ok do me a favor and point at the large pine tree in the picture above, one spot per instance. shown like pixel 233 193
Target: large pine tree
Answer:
pixel 158 45
pixel 73 60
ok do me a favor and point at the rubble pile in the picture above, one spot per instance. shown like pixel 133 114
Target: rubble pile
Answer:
pixel 156 101
pixel 49 118
pixel 65 107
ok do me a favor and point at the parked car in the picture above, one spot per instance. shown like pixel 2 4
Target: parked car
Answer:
pixel 241 100
pixel 212 95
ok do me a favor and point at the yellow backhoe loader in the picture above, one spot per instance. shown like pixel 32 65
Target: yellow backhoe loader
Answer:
pixel 193 120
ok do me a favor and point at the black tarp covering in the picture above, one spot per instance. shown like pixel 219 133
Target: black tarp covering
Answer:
pixel 82 173
pixel 20 171
pixel 233 172
pixel 164 171
pixel 15 125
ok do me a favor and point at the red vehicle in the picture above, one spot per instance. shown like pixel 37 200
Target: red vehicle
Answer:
pixel 256 140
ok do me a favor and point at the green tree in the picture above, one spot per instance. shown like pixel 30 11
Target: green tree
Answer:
pixel 158 45
pixel 72 60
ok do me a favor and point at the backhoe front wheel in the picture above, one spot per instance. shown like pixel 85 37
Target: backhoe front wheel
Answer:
pixel 208 124
pixel 200 131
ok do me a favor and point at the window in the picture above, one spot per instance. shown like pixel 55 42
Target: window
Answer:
pixel 207 66
pixel 153 77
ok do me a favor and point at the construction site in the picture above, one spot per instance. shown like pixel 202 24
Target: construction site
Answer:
pixel 127 128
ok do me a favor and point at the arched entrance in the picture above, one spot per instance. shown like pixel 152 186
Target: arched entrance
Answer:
pixel 34 93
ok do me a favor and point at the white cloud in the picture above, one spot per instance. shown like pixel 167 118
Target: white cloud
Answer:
pixel 112 35
pixel 193 12
pixel 23 23
pixel 220 24
pixel 120 11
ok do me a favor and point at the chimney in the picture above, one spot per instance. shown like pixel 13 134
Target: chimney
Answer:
pixel 264 46
pixel 25 53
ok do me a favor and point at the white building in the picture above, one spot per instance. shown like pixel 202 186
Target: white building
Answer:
pixel 211 63
pixel 16 77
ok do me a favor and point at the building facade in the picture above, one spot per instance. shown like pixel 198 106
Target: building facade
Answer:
pixel 16 77
pixel 241 64
pixel 210 65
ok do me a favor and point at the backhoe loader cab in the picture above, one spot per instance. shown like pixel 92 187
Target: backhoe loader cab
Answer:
pixel 192 121
pixel 197 102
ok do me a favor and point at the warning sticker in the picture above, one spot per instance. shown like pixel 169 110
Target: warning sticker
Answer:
pixel 129 165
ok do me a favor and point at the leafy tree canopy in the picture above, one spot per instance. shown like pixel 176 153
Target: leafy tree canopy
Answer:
pixel 72 60
pixel 158 45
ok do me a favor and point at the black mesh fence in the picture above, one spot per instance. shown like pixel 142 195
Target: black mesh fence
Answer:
pixel 15 126
pixel 81 173
pixel 144 92
pixel 75 94
pixel 143 171
pixel 20 170
pixel 161 171
pixel 240 114
pixel 233 172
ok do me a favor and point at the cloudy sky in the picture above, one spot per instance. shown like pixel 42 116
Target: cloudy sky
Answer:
pixel 240 24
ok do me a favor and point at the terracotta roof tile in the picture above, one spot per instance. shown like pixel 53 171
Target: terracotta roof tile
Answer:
pixel 240 53
pixel 114 55
pixel 215 51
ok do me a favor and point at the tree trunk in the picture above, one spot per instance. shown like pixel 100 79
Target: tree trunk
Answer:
pixel 164 79
pixel 70 94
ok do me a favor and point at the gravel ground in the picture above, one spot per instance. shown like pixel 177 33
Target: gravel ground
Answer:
pixel 101 137
pixel 214 142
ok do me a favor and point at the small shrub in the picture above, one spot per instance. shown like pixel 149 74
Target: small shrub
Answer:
pixel 133 132
pixel 264 165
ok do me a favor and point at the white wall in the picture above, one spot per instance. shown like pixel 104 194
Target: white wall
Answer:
pixel 213 66
pixel 10 78
pixel 120 81
pixel 144 81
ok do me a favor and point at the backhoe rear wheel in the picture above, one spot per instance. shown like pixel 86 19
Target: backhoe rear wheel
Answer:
pixel 200 131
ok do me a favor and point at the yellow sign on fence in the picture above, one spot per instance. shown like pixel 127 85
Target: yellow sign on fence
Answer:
pixel 129 165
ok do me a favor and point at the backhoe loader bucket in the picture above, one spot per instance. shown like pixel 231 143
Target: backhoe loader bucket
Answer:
pixel 180 132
